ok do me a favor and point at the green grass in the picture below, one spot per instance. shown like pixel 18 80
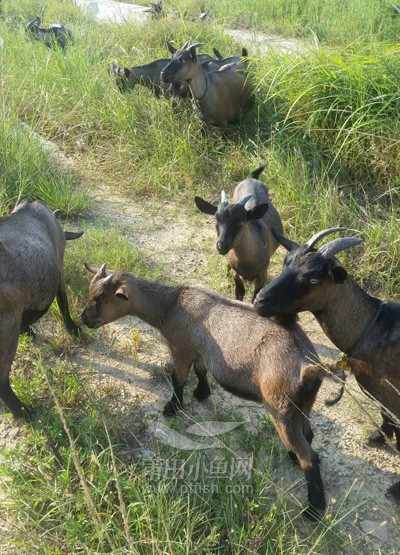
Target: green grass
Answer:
pixel 326 123
pixel 327 21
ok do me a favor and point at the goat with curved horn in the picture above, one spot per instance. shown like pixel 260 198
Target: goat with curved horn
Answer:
pixel 340 244
pixel 366 329
pixel 321 234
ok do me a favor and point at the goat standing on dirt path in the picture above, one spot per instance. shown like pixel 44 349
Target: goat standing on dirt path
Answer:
pixel 250 356
pixel 221 96
pixel 365 328
pixel 244 231
pixel 32 245
pixel 56 34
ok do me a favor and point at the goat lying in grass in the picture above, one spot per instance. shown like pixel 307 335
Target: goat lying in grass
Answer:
pixel 56 34
pixel 221 96
pixel 365 328
pixel 32 245
pixel 250 356
pixel 244 231
pixel 149 75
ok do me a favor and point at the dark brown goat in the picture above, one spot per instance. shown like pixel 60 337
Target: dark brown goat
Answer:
pixel 32 245
pixel 365 328
pixel 250 356
pixel 244 231
pixel 149 75
pixel 221 96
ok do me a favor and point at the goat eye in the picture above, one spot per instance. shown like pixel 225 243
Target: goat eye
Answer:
pixel 314 281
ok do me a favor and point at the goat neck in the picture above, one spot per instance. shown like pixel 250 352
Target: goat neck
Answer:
pixel 198 84
pixel 246 248
pixel 347 317
pixel 150 301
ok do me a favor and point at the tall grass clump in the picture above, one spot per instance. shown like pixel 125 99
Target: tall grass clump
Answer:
pixel 345 101
pixel 27 172
pixel 329 21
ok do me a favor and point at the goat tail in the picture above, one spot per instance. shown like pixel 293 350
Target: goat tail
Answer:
pixel 217 54
pixel 245 52
pixel 255 173
pixel 332 372
pixel 70 235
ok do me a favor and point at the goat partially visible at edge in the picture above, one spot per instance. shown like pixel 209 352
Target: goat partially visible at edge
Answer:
pixel 56 34
pixel 32 245
pixel 365 328
pixel 221 97
pixel 244 231
pixel 250 356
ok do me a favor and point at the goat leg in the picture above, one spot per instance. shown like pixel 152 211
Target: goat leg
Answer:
pixel 9 341
pixel 179 378
pixel 394 492
pixel 387 429
pixel 62 302
pixel 239 287
pixel 292 434
pixel 202 390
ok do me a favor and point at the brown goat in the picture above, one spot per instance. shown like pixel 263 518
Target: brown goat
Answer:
pixel 250 356
pixel 32 245
pixel 221 96
pixel 244 231
pixel 365 328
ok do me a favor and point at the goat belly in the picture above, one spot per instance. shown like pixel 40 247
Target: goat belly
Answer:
pixel 242 390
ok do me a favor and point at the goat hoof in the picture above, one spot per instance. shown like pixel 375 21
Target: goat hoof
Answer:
pixel 376 439
pixel 75 331
pixel 170 409
pixel 313 513
pixel 201 393
pixel 394 492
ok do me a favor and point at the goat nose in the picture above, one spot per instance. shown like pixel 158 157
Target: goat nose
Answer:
pixel 222 247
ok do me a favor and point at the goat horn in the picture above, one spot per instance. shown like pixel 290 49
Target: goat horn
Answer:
pixel 243 200
pixel 195 45
pixel 284 241
pixel 185 45
pixel 223 197
pixel 318 236
pixel 107 279
pixel 340 244
pixel 102 271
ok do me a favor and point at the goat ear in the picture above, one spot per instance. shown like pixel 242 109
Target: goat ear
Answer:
pixel 127 72
pixel 338 274
pixel 284 241
pixel 257 212
pixel 121 292
pixel 205 207
pixel 171 48
pixel 192 51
